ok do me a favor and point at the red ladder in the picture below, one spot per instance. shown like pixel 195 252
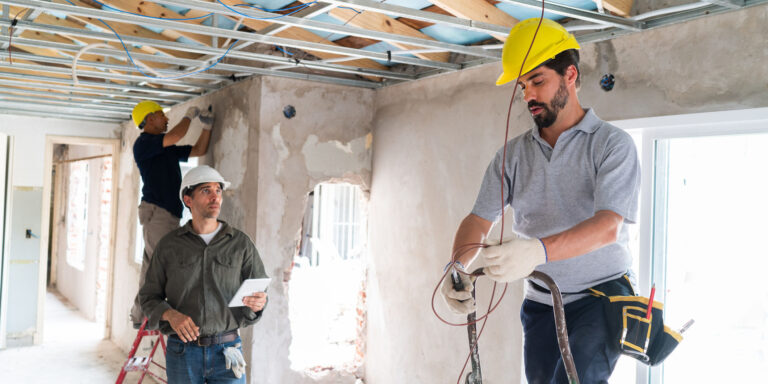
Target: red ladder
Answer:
pixel 142 363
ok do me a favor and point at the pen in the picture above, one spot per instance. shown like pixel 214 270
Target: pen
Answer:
pixel 650 302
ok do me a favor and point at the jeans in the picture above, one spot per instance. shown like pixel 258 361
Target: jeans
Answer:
pixel 595 356
pixel 189 363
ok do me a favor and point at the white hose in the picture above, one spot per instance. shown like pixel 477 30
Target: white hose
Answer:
pixel 99 45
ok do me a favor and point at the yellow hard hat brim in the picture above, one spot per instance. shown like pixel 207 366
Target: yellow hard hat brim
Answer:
pixel 505 78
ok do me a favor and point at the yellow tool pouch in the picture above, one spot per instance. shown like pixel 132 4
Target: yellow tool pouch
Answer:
pixel 647 340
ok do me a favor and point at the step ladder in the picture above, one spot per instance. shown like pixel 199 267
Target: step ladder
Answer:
pixel 142 363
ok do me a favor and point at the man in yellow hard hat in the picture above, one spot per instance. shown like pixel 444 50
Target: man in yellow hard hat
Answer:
pixel 157 157
pixel 572 182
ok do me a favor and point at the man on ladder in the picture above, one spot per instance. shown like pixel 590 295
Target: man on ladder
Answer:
pixel 572 182
pixel 157 157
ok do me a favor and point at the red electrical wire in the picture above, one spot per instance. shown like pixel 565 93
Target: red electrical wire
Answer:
pixel 472 246
pixel 10 34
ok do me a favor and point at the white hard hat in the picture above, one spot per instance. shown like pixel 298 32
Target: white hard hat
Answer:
pixel 201 174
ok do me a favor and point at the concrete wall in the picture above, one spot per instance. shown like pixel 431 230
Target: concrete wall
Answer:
pixel 272 163
pixel 435 137
pixel 125 269
pixel 329 139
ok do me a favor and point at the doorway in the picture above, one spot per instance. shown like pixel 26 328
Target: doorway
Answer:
pixel 78 229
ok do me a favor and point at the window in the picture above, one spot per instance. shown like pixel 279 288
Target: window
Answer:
pixel 703 201
pixel 327 286
pixel 710 216
pixel 77 213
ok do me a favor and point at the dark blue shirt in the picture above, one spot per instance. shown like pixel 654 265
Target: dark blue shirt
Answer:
pixel 160 172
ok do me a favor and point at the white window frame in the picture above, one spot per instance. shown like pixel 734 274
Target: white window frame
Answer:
pixel 653 237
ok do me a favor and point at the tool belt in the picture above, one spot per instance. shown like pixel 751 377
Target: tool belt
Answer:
pixel 647 340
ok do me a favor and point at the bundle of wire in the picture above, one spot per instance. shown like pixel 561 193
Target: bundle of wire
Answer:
pixel 471 247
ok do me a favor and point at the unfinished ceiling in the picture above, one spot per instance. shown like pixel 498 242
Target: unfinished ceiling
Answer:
pixel 93 60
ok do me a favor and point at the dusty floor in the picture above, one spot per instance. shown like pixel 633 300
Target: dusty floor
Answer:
pixel 73 351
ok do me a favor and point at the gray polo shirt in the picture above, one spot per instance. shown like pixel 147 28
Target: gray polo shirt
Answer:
pixel 593 167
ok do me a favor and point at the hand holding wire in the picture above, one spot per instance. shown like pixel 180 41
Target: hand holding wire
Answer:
pixel 514 259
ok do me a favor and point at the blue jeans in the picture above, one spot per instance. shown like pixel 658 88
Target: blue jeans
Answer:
pixel 594 355
pixel 189 363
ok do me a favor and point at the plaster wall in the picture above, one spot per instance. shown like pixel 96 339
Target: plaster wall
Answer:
pixel 126 270
pixel 29 133
pixel 273 163
pixel 435 138
pixel 328 140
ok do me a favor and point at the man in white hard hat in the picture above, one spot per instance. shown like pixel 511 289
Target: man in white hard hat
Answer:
pixel 193 275
pixel 157 157
pixel 572 182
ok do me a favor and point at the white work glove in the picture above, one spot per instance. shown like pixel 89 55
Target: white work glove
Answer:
pixel 206 117
pixel 514 259
pixel 234 360
pixel 459 302
pixel 192 112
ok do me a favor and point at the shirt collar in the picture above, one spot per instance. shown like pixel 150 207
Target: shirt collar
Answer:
pixel 226 229
pixel 589 124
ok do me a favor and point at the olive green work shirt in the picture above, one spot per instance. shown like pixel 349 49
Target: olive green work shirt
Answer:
pixel 199 280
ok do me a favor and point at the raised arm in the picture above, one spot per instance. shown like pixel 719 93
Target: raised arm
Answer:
pixel 201 146
pixel 177 132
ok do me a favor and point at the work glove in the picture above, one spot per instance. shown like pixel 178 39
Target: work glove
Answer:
pixel 206 117
pixel 192 112
pixel 514 259
pixel 234 360
pixel 459 302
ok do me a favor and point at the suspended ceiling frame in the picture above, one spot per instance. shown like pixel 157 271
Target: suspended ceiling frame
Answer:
pixel 40 82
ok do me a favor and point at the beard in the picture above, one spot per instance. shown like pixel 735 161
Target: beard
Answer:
pixel 550 111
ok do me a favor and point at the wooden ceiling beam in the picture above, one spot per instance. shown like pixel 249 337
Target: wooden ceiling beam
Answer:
pixel 152 9
pixel 130 30
pixel 305 35
pixel 382 23
pixel 479 10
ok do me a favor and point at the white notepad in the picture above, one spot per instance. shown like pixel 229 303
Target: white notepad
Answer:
pixel 248 287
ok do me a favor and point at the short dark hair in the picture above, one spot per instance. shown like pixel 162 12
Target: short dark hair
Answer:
pixel 188 190
pixel 562 61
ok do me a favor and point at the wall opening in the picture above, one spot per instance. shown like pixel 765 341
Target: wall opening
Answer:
pixel 327 287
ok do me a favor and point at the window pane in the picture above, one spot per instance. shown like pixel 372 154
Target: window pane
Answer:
pixel 715 259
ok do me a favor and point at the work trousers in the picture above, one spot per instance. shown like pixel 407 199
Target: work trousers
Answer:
pixel 189 363
pixel 156 222
pixel 593 352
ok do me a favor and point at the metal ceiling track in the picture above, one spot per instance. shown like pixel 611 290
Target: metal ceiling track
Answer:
pixel 246 36
pixel 121 84
pixel 120 54
pixel 57 114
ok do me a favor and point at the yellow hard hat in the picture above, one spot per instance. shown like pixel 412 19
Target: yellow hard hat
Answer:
pixel 551 39
pixel 142 109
